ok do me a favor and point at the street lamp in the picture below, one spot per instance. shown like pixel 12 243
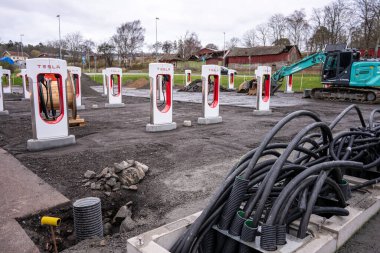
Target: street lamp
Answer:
pixel 59 31
pixel 22 52
pixel 156 41
pixel 224 47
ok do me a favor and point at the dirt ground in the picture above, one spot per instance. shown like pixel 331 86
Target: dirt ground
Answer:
pixel 186 165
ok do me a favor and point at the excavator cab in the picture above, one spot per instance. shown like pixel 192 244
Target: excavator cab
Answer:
pixel 337 66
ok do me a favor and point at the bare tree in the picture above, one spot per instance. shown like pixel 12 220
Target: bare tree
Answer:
pixel 106 49
pixel 167 47
pixel 212 46
pixel 262 33
pixel 189 44
pixel 128 39
pixel 233 42
pixel 297 26
pixel 277 26
pixel 73 44
pixel 249 38
pixel 368 13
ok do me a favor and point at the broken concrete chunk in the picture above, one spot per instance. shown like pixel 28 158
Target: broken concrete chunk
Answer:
pixel 107 193
pixel 116 187
pixel 93 186
pixel 144 167
pixel 127 225
pixel 111 182
pixel 122 166
pixel 133 187
pixel 103 173
pixel 123 213
pixel 108 175
pixel 107 228
pixel 89 174
pixel 132 175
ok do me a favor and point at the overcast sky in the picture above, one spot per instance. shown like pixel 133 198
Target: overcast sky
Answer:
pixel 98 19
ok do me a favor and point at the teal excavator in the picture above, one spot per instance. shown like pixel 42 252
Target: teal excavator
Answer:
pixel 344 75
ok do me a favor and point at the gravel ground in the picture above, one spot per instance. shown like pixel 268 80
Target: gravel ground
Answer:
pixel 186 165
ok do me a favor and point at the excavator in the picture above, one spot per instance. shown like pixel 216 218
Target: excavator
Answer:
pixel 344 75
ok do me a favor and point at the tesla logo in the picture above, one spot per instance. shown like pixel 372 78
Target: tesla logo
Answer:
pixel 48 66
pixel 163 69
pixel 213 70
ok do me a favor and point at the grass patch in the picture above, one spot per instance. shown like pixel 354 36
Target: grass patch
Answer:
pixel 307 81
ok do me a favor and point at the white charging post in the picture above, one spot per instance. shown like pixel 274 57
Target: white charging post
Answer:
pixel 2 111
pixel 263 76
pixel 104 83
pixel 25 84
pixel 210 109
pixel 289 84
pixel 49 111
pixel 231 79
pixel 76 74
pixel 7 88
pixel 187 77
pixel 114 89
pixel 161 113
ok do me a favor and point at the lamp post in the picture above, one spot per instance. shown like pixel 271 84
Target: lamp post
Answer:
pixel 59 32
pixel 22 51
pixel 224 47
pixel 156 41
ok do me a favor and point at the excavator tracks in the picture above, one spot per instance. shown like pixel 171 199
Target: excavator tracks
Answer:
pixel 358 95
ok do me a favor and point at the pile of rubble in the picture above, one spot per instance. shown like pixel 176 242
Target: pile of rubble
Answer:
pixel 125 175
pixel 120 223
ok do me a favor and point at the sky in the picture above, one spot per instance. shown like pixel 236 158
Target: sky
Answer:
pixel 98 19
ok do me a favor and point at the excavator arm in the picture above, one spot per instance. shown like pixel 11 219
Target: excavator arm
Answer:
pixel 305 63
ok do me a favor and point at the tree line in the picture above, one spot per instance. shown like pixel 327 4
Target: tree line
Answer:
pixel 355 22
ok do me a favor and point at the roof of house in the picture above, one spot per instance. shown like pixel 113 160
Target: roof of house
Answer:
pixel 170 57
pixel 13 53
pixel 257 51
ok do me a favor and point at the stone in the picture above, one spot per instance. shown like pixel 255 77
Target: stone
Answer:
pixel 144 167
pixel 107 193
pixel 103 242
pixel 111 182
pixel 131 161
pixel 132 175
pixel 93 186
pixel 98 186
pixel 115 176
pixel 123 213
pixel 119 167
pixel 108 175
pixel 107 188
pixel 103 173
pixel 89 174
pixel 116 187
pixel 87 184
pixel 187 123
pixel 107 228
pixel 127 225
pixel 133 187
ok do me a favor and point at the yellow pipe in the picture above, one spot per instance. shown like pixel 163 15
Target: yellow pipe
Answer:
pixel 52 221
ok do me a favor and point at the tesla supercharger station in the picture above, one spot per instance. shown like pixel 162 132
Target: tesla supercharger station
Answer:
pixel 114 89
pixel 263 76
pixel 76 74
pixel 104 83
pixel 161 112
pixel 289 84
pixel 231 79
pixel 2 111
pixel 187 77
pixel 47 79
pixel 7 88
pixel 25 84
pixel 210 107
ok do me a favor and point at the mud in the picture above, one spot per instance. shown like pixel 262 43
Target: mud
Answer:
pixel 186 165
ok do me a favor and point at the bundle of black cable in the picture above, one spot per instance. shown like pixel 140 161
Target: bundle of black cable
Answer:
pixel 277 183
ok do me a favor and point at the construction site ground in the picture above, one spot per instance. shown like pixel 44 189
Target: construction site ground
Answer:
pixel 185 165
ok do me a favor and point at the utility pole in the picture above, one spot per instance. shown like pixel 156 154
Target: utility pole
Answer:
pixel 22 51
pixel 224 48
pixel 156 41
pixel 59 32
